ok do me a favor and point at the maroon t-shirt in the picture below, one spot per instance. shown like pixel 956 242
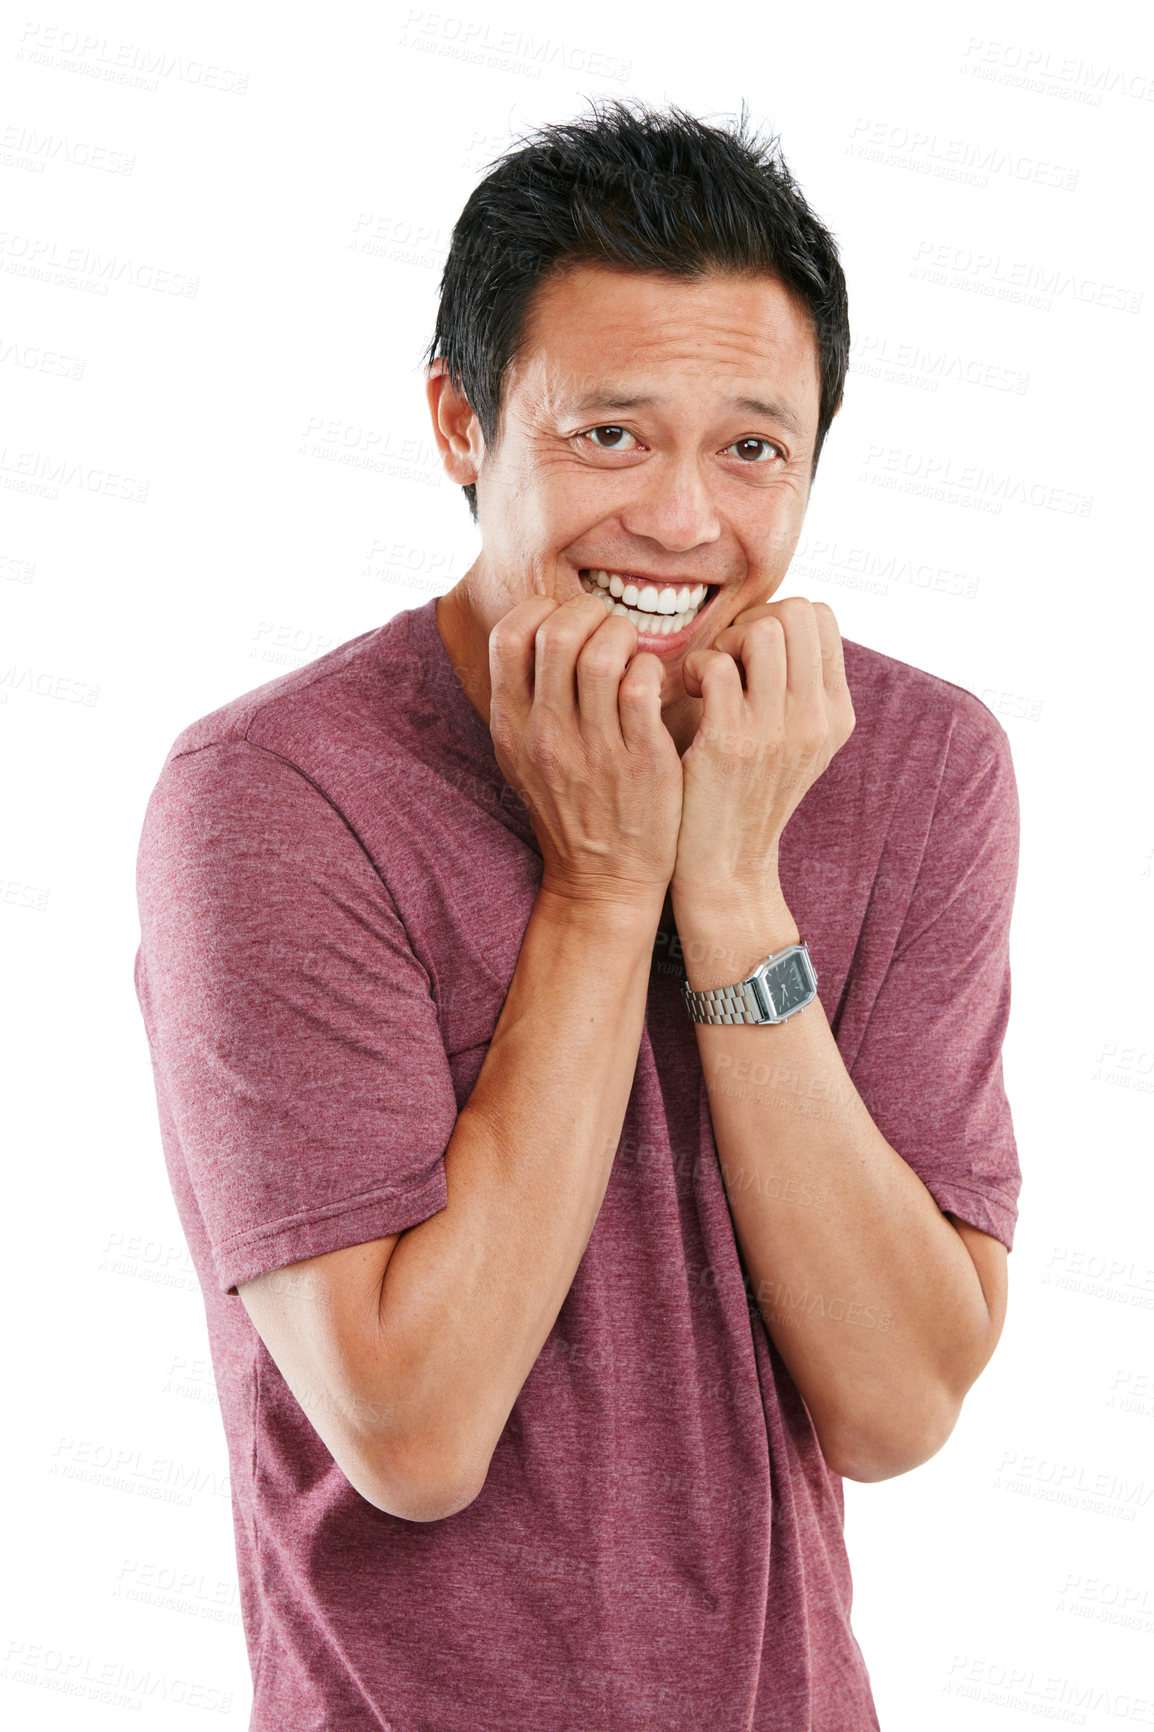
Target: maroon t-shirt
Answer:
pixel 334 882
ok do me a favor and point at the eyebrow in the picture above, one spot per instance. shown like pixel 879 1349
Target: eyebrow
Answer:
pixel 769 407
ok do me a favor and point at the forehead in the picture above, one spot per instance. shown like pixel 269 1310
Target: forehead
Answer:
pixel 595 333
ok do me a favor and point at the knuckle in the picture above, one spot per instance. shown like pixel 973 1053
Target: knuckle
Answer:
pixel 600 657
pixel 543 739
pixel 814 731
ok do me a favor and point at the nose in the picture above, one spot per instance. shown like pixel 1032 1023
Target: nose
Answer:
pixel 673 506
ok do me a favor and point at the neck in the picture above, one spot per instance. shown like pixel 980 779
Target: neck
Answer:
pixel 468 647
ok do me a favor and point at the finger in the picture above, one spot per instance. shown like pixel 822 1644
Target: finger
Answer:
pixel 512 656
pixel 600 667
pixel 731 639
pixel 715 677
pixel 802 647
pixel 764 653
pixel 559 641
pixel 838 696
pixel 832 651
pixel 638 699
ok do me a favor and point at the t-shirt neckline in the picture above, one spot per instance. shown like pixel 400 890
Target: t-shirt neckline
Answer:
pixel 461 724
pixel 466 723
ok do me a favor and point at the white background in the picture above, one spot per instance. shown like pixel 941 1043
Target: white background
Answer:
pixel 980 511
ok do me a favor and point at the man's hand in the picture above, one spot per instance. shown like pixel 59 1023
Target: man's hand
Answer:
pixel 760 746
pixel 575 717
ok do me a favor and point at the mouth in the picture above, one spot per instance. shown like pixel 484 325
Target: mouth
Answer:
pixel 664 612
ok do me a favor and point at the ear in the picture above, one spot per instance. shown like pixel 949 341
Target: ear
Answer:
pixel 455 426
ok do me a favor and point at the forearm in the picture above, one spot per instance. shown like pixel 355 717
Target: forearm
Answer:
pixel 470 1295
pixel 864 1285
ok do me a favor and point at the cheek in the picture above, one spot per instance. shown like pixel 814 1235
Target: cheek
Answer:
pixel 782 531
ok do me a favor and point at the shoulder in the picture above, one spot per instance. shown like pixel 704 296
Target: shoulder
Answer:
pixel 296 755
pixel 314 696
pixel 905 714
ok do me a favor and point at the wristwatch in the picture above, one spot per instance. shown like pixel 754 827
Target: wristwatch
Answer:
pixel 778 987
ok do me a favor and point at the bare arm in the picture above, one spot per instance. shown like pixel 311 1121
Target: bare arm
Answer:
pixel 408 1353
pixel 884 1308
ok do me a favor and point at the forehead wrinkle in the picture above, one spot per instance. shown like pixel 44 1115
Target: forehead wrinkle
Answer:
pixel 555 382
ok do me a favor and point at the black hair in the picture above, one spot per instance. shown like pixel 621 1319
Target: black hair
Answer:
pixel 646 191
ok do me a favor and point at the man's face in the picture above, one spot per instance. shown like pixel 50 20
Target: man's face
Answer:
pixel 655 429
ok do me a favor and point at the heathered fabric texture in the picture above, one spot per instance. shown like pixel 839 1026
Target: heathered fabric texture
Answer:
pixel 334 881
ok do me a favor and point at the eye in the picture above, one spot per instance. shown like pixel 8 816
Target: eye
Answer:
pixel 612 428
pixel 756 439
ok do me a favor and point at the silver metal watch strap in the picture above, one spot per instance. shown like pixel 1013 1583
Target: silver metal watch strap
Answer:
pixel 747 1002
pixel 726 1004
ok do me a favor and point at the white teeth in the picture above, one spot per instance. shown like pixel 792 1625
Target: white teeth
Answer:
pixel 670 610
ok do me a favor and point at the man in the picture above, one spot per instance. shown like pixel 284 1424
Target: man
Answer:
pixel 574 1270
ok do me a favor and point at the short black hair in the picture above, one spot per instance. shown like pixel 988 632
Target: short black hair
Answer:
pixel 637 189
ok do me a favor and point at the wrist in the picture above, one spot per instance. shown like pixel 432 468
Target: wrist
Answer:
pixel 725 937
pixel 601 902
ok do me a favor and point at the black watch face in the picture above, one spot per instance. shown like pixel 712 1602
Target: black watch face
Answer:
pixel 788 984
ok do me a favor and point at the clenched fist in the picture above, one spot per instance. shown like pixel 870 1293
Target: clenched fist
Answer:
pixel 575 716
pixel 776 709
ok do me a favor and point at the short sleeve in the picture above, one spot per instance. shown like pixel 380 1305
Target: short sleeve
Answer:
pixel 294 1034
pixel 929 1067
